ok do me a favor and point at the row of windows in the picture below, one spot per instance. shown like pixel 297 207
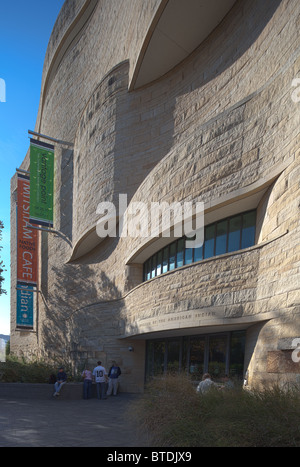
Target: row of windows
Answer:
pixel 217 354
pixel 225 236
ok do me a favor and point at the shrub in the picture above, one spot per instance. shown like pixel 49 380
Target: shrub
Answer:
pixel 174 415
pixel 18 370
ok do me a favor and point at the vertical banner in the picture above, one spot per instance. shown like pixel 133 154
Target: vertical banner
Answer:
pixel 27 256
pixel 41 183
pixel 27 239
pixel 25 307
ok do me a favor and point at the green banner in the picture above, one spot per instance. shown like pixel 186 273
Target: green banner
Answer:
pixel 41 183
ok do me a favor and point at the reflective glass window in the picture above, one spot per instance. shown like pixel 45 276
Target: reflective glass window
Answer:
pixel 237 353
pixel 209 241
pixel 159 263
pixel 172 256
pixel 153 266
pixel 165 259
pixel 234 235
pixel 217 355
pixel 173 357
pixel 248 232
pixel 221 239
pixel 180 253
pixel 198 254
pixel 188 256
pixel 226 236
pixel 196 357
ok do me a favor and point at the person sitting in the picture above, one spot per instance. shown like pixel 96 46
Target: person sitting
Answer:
pixel 61 380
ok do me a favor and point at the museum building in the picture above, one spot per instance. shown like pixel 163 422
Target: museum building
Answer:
pixel 168 102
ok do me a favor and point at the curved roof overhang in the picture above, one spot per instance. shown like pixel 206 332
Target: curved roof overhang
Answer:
pixel 177 29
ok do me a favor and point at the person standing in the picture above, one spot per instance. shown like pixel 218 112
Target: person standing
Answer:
pixel 113 375
pixel 100 377
pixel 87 383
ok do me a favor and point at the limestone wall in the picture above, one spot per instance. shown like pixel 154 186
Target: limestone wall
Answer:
pixel 221 128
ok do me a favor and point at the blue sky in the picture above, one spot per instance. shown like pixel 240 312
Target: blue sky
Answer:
pixel 25 29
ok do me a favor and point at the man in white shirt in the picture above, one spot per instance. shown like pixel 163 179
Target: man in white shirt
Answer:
pixel 206 384
pixel 100 377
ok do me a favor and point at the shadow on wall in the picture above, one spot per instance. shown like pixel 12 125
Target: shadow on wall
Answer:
pixel 75 314
pixel 123 135
pixel 155 105
pixel 76 306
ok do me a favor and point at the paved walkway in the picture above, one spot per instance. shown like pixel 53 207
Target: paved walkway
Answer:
pixel 68 423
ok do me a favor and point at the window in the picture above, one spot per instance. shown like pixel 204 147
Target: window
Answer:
pixel 196 357
pixel 165 259
pixel 221 238
pixel 219 354
pixel 225 236
pixel 172 257
pixel 159 263
pixel 234 236
pixel 153 266
pixel 248 231
pixel 209 241
pixel 180 253
pixel 188 256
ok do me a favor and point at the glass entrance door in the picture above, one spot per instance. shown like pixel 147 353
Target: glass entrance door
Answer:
pixel 217 354
pixel 218 350
pixel 173 356
pixel 196 357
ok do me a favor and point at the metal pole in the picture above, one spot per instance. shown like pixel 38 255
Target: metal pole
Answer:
pixel 29 226
pixel 54 140
pixel 31 290
pixel 23 171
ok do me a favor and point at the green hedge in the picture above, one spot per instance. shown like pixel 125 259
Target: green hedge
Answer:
pixel 18 370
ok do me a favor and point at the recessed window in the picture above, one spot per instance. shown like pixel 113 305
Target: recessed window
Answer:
pixel 225 236
pixel 180 253
pixel 248 229
pixel 219 354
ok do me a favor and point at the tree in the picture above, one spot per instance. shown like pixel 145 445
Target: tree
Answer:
pixel 2 266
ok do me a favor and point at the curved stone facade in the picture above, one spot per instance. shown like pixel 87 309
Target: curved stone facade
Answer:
pixel 221 127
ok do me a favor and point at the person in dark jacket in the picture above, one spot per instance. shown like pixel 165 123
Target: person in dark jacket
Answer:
pixel 113 376
pixel 61 380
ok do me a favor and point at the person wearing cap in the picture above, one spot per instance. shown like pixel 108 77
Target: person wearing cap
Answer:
pixel 61 380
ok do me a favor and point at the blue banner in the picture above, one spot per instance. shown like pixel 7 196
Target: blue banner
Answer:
pixel 25 306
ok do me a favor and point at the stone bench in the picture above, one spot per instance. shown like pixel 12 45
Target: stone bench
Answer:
pixel 71 391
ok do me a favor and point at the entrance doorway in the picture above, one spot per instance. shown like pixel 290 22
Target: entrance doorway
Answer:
pixel 217 354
